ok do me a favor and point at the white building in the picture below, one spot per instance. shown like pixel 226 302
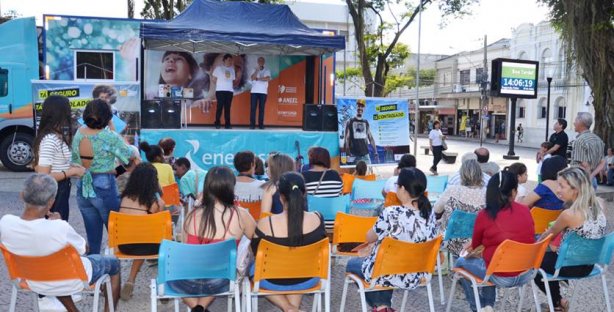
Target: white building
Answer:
pixel 569 93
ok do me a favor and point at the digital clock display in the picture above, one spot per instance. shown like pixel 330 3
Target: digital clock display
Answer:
pixel 518 78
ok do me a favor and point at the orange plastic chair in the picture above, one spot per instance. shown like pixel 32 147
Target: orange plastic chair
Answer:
pixel 509 257
pixel 265 215
pixel 368 177
pixel 542 218
pixel 274 261
pixel 138 229
pixel 397 257
pixel 254 208
pixel 350 229
pixel 347 180
pixel 170 195
pixel 391 199
pixel 64 264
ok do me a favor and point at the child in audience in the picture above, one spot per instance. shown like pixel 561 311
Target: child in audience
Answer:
pixel 168 147
pixel 520 170
pixel 361 168
pixel 155 155
pixel 541 156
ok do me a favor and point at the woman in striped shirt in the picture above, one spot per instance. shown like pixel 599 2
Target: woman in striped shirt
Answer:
pixel 320 180
pixel 52 150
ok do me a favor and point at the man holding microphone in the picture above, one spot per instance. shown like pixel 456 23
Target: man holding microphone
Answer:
pixel 260 84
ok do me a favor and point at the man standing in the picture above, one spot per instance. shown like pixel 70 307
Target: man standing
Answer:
pixel 520 130
pixel 588 148
pixel 260 85
pixel 358 135
pixel 559 139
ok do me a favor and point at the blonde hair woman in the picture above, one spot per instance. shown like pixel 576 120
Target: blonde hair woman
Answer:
pixel 584 216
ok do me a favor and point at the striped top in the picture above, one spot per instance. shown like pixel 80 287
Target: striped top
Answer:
pixel 54 153
pixel 589 148
pixel 331 185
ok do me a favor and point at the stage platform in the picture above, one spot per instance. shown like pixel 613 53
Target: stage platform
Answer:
pixel 207 147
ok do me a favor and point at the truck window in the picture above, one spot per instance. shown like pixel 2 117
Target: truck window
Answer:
pixel 4 82
pixel 97 65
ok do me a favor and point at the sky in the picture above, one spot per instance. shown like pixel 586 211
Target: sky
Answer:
pixel 494 18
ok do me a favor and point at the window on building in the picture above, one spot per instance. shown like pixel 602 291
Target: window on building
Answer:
pixel 541 109
pixel 95 65
pixel 479 72
pixel 545 65
pixel 521 109
pixel 464 77
pixel 560 108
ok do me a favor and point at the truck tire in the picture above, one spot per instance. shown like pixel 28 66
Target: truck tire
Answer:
pixel 16 151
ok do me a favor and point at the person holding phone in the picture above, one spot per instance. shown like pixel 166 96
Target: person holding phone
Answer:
pixel 260 84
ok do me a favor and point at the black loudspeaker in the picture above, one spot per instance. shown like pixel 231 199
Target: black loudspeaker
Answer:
pixel 171 114
pixel 329 118
pixel 312 117
pixel 150 115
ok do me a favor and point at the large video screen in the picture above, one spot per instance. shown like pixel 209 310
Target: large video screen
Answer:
pixel 514 78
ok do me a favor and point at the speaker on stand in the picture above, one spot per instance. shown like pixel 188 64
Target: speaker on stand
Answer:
pixel 330 122
pixel 312 117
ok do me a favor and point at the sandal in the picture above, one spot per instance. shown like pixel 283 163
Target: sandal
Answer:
pixel 126 292
pixel 563 306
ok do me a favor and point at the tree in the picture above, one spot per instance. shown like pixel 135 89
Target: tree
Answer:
pixel 130 8
pixel 9 15
pixel 377 44
pixel 587 27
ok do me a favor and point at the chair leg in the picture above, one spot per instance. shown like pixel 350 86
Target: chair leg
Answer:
pixel 97 295
pixel 247 295
pixel 14 300
pixel 476 294
pixel 538 307
pixel 452 290
pixel 327 297
pixel 229 304
pixel 605 292
pixel 153 294
pixel 255 303
pixel 363 299
pixel 237 297
pixel 440 280
pixel 573 287
pixel 521 297
pixel 506 296
pixel 344 294
pixel 316 302
pixel 430 297
pixel 176 302
pixel 404 301
pixel 548 295
pixel 110 300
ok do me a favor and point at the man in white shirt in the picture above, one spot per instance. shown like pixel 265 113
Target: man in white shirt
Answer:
pixel 32 235
pixel 247 188
pixel 455 179
pixel 223 77
pixel 260 85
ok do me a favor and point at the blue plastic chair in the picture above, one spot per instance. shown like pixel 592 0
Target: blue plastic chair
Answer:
pixel 368 189
pixel 460 225
pixel 435 185
pixel 328 206
pixel 576 250
pixel 179 261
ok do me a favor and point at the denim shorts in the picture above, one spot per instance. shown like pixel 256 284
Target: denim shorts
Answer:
pixel 103 265
pixel 209 286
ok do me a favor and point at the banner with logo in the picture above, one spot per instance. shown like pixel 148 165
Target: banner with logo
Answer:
pixel 208 148
pixel 124 100
pixel 373 129
pixel 169 73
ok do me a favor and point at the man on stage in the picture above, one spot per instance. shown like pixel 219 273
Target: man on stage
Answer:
pixel 260 85
pixel 358 136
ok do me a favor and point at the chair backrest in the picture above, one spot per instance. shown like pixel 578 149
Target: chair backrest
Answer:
pixel 391 199
pixel 139 229
pixel 351 228
pixel 180 261
pixel 460 225
pixel 348 181
pixel 400 257
pixel 253 207
pixel 170 195
pixel 276 261
pixel 368 189
pixel 328 206
pixel 542 218
pixel 576 250
pixel 368 177
pixel 512 256
pixel 64 264
pixel 436 184
pixel 607 250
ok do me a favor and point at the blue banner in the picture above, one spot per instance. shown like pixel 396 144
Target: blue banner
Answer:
pixel 207 148
pixel 373 129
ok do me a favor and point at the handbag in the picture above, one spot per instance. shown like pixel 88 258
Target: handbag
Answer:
pixel 320 182
pixel 444 145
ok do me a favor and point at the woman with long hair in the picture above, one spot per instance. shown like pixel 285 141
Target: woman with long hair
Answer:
pixel 216 220
pixel 276 165
pixel 502 219
pixel 584 216
pixel 412 221
pixel 141 196
pixel 293 227
pixel 155 155
pixel 52 150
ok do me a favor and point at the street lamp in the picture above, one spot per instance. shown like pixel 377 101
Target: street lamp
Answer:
pixel 549 80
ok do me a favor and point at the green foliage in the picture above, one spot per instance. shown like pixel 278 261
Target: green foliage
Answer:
pixel 350 73
pixel 408 79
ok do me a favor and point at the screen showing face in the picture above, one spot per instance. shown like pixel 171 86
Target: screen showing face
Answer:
pixel 518 78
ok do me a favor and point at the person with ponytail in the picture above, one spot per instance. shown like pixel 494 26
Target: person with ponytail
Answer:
pixel 293 227
pixel 216 220
pixel 413 221
pixel 155 155
pixel 583 215
pixel 503 218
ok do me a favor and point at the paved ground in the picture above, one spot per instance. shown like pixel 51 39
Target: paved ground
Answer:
pixel 588 295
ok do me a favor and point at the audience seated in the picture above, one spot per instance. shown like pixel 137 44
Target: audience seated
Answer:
pixel 455 179
pixel 544 194
pixel 413 221
pixel 191 180
pixel 469 196
pixel 276 165
pixel 320 180
pixel 155 156
pixel 520 170
pixel 168 149
pixel 38 232
pixel 259 173
pixel 293 227
pixel 218 219
pixel 406 161
pixel 247 189
pixel 488 167
pixel 585 216
pixel 502 219
pixel 361 168
pixel 140 197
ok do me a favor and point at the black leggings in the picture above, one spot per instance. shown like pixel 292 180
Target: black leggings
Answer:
pixel 60 205
pixel 437 155
pixel 224 100
pixel 571 271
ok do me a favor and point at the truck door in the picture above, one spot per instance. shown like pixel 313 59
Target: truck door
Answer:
pixel 6 96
